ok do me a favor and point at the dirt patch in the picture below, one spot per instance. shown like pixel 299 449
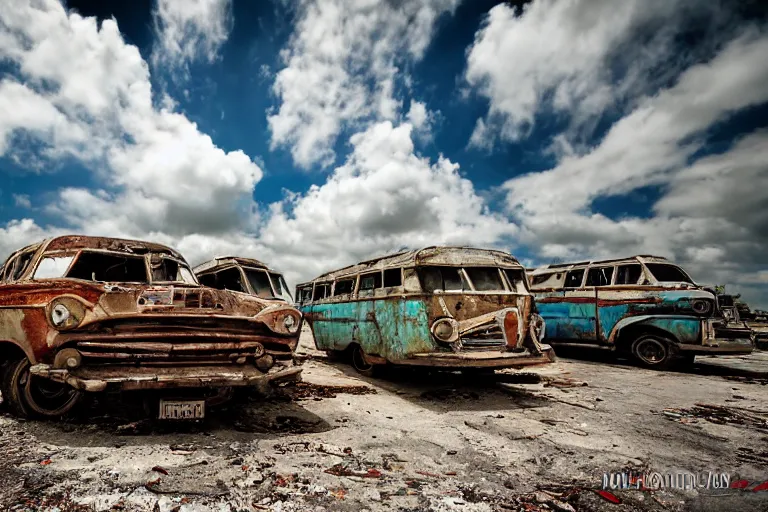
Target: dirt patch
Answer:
pixel 306 390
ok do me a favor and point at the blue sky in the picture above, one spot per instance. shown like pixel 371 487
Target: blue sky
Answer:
pixel 312 134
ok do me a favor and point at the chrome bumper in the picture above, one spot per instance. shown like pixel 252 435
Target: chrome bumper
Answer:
pixel 153 377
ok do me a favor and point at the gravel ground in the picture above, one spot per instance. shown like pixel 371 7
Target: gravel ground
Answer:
pixel 534 440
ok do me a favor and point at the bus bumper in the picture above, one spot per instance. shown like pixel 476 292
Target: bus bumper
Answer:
pixel 480 359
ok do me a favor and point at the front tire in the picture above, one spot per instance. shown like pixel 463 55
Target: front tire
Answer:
pixel 35 397
pixel 653 351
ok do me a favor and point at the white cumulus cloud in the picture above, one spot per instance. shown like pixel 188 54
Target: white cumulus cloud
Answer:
pixel 341 68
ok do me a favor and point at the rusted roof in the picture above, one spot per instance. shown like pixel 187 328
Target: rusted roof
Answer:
pixel 108 244
pixel 629 259
pixel 222 261
pixel 434 255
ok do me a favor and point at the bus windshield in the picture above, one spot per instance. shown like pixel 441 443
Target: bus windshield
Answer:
pixel 666 273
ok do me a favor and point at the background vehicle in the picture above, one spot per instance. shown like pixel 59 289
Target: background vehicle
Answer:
pixel 449 307
pixel 244 275
pixel 644 306
pixel 89 314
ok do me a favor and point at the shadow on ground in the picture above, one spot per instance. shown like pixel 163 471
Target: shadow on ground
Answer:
pixel 111 419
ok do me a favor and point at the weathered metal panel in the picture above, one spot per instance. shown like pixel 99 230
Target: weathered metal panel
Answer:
pixel 385 327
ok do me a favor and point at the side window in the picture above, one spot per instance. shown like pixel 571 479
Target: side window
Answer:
pixel 516 279
pixel 21 264
pixel 344 287
pixel 539 279
pixel 600 276
pixel 370 281
pixel 322 290
pixel 304 294
pixel 628 274
pixel 574 278
pixel 393 277
pixel 230 279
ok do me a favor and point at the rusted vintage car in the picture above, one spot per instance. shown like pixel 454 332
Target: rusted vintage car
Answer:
pixel 243 275
pixel 643 306
pixel 446 307
pixel 81 314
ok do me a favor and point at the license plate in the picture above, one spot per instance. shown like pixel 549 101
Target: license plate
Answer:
pixel 182 409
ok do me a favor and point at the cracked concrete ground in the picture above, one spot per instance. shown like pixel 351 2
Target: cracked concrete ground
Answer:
pixel 410 440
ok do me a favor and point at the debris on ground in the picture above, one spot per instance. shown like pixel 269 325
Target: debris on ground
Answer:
pixel 306 390
pixel 719 414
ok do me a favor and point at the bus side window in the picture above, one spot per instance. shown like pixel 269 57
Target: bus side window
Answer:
pixel 322 290
pixel 305 295
pixel 344 287
pixel 393 277
pixel 368 283
pixel 574 278
pixel 628 274
pixel 600 276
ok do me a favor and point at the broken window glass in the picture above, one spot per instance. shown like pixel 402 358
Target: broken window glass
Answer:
pixel 485 279
pixel 259 281
pixel 600 276
pixel 664 272
pixel 574 278
pixel 628 274
pixel 109 267
pixel 50 267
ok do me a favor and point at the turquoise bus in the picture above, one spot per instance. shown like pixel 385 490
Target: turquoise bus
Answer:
pixel 642 306
pixel 446 307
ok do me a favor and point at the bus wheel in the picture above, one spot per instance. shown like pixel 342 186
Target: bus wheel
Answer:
pixel 30 396
pixel 360 362
pixel 652 351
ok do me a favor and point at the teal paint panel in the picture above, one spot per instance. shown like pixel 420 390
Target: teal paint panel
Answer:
pixel 390 328
pixel 404 327
pixel 609 316
pixel 685 330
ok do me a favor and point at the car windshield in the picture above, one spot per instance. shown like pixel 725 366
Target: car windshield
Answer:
pixel 664 272
pixel 113 267
pixel 167 270
pixel 259 281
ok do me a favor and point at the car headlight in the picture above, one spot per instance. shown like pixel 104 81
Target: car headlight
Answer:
pixel 701 307
pixel 290 323
pixel 66 313
pixel 445 329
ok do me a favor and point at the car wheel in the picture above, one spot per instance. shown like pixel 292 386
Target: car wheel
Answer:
pixel 652 351
pixel 360 362
pixel 31 396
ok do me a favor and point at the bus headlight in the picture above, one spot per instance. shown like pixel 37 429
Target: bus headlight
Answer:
pixel 445 329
